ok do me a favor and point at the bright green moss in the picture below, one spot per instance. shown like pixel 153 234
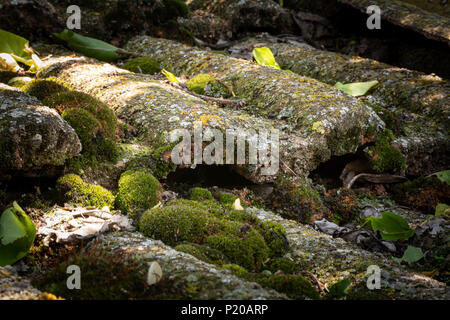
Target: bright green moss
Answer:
pixel 94 122
pixel 142 65
pixel 383 157
pixel 200 194
pixel 284 264
pixel 203 253
pixel 226 198
pixel 274 235
pixel 74 190
pixel 176 223
pixel 138 191
pixel 78 100
pixel 294 286
pixel 245 248
pixel 42 88
pixel 198 83
pixel 238 271
pixel 95 145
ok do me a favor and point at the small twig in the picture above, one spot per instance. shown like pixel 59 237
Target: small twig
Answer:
pixel 322 287
pixel 284 164
pixel 128 53
pixel 376 178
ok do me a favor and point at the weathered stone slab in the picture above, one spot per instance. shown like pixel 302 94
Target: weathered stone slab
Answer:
pixel 333 259
pixel 13 287
pixel 430 24
pixel 32 136
pixel 209 281
pixel 156 108
pixel 421 101
pixel 325 120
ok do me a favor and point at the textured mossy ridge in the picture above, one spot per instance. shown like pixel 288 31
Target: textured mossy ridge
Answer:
pixel 415 106
pixel 42 140
pixel 333 259
pixel 216 236
pixel 142 65
pixel 94 122
pixel 74 190
pixel 138 191
pixel 429 24
pixel 200 194
pixel 306 108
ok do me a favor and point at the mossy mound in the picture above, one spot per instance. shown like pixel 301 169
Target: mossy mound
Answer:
pixel 204 229
pixel 94 122
pixel 200 194
pixel 74 190
pixel 138 191
pixel 383 157
pixel 142 65
pixel 284 264
pixel 238 271
pixel 203 253
pixel 294 286
pixel 226 198
pixel 423 194
pixel 43 88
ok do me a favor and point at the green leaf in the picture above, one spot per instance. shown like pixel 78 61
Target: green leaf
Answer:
pixel 391 226
pixel 19 49
pixel 356 89
pixel 444 176
pixel 90 47
pixel 411 255
pixel 170 76
pixel 338 289
pixel 442 210
pixel 264 57
pixel 17 234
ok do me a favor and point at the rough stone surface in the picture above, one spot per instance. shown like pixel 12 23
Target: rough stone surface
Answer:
pixel 13 287
pixel 430 24
pixel 417 98
pixel 32 136
pixel 331 260
pixel 326 121
pixel 206 281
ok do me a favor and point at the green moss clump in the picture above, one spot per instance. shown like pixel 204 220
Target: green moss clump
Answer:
pixel 226 198
pixel 142 65
pixel 383 157
pixel 198 83
pixel 176 8
pixel 203 253
pixel 200 194
pixel 94 122
pixel 74 190
pixel 42 88
pixel 209 230
pixel 238 271
pixel 284 264
pixel 294 286
pixel 138 191
pixel 175 224
pixel 274 235
pixel 245 248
